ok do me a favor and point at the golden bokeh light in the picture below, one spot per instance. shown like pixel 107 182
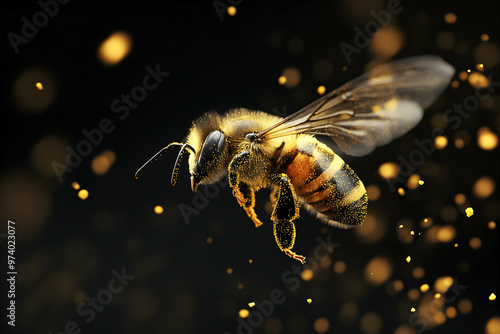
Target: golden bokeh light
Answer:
pixel 101 163
pixel 492 297
pixel 446 233
pixel 478 80
pixel 493 326
pixel 158 209
pixel 398 285
pixel 28 97
pixel 464 306
pixel 282 80
pixel 412 182
pixel 460 199
pixel 488 54
pixel 484 187
pixel 424 288
pixel 321 325
pixel 451 312
pixel 231 10
pixel 209 240
pixel 243 313
pixel 373 192
pixel 440 142
pixel 229 271
pixel 371 323
pixel 47 150
pixel 83 194
pixel 455 84
pixel 292 76
pixel 372 231
pixel 339 267
pixel 307 274
pixel 418 272
pixel 114 48
pixel 386 42
pixel 486 139
pixel 485 37
pixel 413 294
pixel 75 185
pixel 445 40
pixel 378 270
pixel 442 284
pixel 388 170
pixel 450 18
pixel 321 90
pixel 401 191
pixel 492 225
pixel 475 243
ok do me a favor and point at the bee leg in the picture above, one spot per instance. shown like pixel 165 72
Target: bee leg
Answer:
pixel 249 203
pixel 244 194
pixel 285 211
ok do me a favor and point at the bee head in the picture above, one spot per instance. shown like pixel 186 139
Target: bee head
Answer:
pixel 210 143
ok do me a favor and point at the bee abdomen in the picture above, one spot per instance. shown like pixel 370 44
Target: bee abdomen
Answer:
pixel 326 184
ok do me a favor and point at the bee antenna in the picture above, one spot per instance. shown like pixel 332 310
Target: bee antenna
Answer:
pixel 155 157
pixel 173 179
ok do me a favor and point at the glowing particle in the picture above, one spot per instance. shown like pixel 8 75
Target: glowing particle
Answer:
pixel 421 182
pixel 39 86
pixel 400 226
pixel 484 187
pixel 408 259
pixel 321 90
pixel 480 67
pixel 440 142
pixel 344 68
pixel 463 75
pixel 437 295
pixel 412 232
pixel 309 300
pixel 455 245
pixel 468 71
pixel 231 10
pixel 412 182
pixel 401 191
pixel 469 212
pixel 460 199
pixel 492 225
pixel 282 80
pixel 158 209
pixel 486 139
pixel 83 194
pixel 229 271
pixel 485 37
pixel 75 185
pixel 251 304
pixel 455 84
pixel 250 261
pixel 210 240
pixel 243 313
pixel 424 287
pixel 388 170
pixel 475 243
pixel 292 76
pixel 450 18
pixel 412 309
pixel 115 48
pixel 478 80
pixel 492 296
pixel 307 274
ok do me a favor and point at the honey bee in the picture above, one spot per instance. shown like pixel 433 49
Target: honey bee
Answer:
pixel 258 150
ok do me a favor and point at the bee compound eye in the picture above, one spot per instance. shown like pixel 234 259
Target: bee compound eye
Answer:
pixel 211 149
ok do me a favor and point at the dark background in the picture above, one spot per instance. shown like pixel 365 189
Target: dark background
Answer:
pixel 66 247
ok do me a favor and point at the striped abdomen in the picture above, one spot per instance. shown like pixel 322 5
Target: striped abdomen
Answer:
pixel 325 183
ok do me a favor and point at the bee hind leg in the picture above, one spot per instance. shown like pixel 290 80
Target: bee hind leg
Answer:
pixel 285 211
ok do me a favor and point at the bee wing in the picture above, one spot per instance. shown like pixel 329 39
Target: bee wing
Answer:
pixel 373 109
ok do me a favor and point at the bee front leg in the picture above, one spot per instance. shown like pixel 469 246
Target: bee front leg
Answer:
pixel 285 211
pixel 245 195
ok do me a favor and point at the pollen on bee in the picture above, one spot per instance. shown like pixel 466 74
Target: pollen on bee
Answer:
pixel 492 296
pixel 376 108
pixel 408 259
pixel 231 10
pixel 243 313
pixel 158 209
pixel 391 104
pixel 321 90
pixel 309 300
pixel 251 304
pixel 39 86
pixel 469 212
pixel 83 194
